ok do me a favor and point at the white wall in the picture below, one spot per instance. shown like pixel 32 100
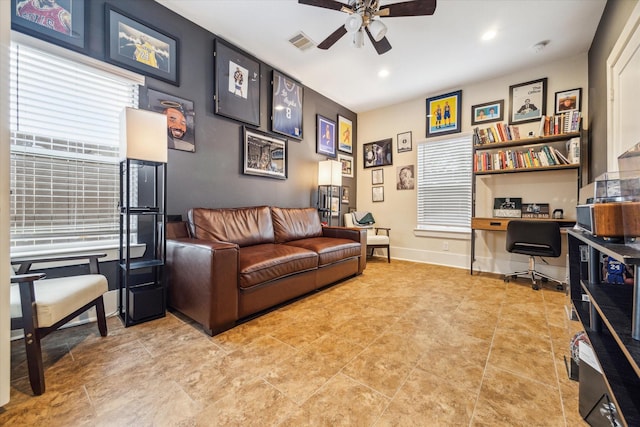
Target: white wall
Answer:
pixel 398 211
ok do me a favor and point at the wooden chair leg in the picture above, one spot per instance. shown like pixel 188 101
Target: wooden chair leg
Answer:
pixel 31 338
pixel 388 255
pixel 102 319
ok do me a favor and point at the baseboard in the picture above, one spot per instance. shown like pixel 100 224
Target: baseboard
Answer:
pixel 448 259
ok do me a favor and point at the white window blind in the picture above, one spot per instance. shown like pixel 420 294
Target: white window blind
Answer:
pixel 64 149
pixel 444 184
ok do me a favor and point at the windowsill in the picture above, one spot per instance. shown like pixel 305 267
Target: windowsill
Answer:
pixel 112 251
pixel 443 234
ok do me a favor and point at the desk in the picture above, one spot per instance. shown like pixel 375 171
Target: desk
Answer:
pixel 500 224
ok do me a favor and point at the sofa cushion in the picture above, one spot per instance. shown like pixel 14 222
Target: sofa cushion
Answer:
pixel 243 226
pixel 295 223
pixel 262 263
pixel 329 249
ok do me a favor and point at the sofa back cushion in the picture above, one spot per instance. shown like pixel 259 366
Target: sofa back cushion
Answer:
pixel 243 226
pixel 295 224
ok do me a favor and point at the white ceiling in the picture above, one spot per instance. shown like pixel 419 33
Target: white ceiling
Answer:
pixel 430 54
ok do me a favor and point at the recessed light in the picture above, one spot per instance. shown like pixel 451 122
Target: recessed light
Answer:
pixel 489 35
pixel 383 73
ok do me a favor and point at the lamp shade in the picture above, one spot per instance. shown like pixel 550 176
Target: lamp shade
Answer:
pixel 330 172
pixel 377 29
pixel 143 135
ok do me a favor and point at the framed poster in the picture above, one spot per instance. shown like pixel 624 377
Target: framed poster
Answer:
pixel 345 134
pixel 527 101
pixel 377 194
pixel 404 142
pixel 264 154
pixel 237 85
pixel 286 106
pixel 326 138
pixel 377 153
pixel 60 22
pixel 345 194
pixel 568 100
pixel 139 47
pixel 488 112
pixel 377 176
pixel 347 165
pixel 405 178
pixel 180 118
pixel 443 114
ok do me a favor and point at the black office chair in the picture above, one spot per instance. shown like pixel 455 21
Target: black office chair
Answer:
pixel 534 238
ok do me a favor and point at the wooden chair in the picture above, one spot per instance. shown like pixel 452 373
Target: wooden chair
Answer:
pixel 375 240
pixel 42 306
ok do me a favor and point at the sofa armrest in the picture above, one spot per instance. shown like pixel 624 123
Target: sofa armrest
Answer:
pixel 203 281
pixel 352 233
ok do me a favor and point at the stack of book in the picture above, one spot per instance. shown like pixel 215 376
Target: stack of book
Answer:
pixel 498 132
pixel 560 123
pixel 518 159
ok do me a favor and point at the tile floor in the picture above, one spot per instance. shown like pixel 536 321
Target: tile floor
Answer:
pixel 404 344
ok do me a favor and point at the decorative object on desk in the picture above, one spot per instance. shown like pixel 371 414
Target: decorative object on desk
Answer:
pixel 286 106
pixel 535 210
pixel 237 85
pixel 379 153
pixel 507 207
pixel 488 112
pixel 264 155
pixel 377 176
pixel 143 135
pixel 347 165
pixel 61 23
pixel 329 183
pixel 568 100
pixel 345 134
pixel 325 136
pixel 444 114
pixel 377 194
pixel 404 142
pixel 345 195
pixel 139 47
pixel 180 118
pixel 527 101
pixel 405 178
pixel 558 214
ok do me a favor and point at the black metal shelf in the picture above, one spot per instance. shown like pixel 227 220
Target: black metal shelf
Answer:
pixel 139 265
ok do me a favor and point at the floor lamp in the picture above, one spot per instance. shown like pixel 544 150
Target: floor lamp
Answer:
pixel 329 177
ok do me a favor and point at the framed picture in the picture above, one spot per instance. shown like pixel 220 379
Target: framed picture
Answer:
pixel 405 178
pixel 404 142
pixel 527 101
pixel 377 194
pixel 443 114
pixel 347 165
pixel 61 23
pixel 507 207
pixel 237 85
pixel 180 118
pixel 137 46
pixel 488 112
pixel 326 138
pixel 345 134
pixel 335 206
pixel 286 106
pixel 568 100
pixel 264 154
pixel 377 153
pixel 377 176
pixel 345 194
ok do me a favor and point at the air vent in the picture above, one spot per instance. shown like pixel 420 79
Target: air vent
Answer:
pixel 302 41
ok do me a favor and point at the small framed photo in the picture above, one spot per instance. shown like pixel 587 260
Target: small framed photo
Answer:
pixel 527 101
pixel 379 153
pixel 326 138
pixel 444 114
pixel 377 176
pixel 286 106
pixel 61 22
pixel 264 154
pixel 237 85
pixel 347 165
pixel 405 178
pixel 345 134
pixel 180 118
pixel 404 142
pixel 568 100
pixel 345 194
pixel 488 112
pixel 377 194
pixel 139 47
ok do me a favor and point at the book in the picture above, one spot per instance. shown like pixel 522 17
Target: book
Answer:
pixel 561 157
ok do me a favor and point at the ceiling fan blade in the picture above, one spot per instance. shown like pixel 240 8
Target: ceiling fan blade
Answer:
pixel 327 4
pixel 334 37
pixel 409 8
pixel 383 46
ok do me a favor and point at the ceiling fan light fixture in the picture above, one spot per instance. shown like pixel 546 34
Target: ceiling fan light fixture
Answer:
pixel 354 23
pixel 358 39
pixel 377 29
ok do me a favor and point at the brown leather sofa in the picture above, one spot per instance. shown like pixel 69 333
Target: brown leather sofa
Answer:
pixel 227 264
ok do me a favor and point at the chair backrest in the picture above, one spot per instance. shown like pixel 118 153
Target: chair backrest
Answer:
pixel 537 238
pixel 350 219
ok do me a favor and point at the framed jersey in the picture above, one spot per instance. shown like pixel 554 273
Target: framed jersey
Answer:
pixel 286 112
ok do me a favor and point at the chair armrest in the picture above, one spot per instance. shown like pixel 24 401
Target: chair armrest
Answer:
pixel 27 277
pixel 26 262
pixel 387 230
pixel 356 234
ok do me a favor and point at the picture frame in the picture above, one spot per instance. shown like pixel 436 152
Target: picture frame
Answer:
pixel 140 47
pixel 405 177
pixel 326 136
pixel 286 105
pixel 488 112
pixel 444 114
pixel 378 153
pixel 69 29
pixel 377 176
pixel 527 101
pixel 403 142
pixel 335 206
pixel 377 194
pixel 345 134
pixel 345 194
pixel 237 84
pixel 568 100
pixel 180 118
pixel 264 154
pixel 347 165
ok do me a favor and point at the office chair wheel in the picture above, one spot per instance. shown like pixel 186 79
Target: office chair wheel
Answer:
pixel 544 280
pixel 560 286
pixel 535 286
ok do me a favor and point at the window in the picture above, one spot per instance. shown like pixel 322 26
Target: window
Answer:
pixel 444 184
pixel 64 150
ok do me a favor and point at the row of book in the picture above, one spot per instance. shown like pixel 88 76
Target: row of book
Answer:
pixel 498 132
pixel 560 123
pixel 518 159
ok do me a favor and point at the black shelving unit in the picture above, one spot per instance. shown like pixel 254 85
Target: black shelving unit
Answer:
pixel 327 194
pixel 141 288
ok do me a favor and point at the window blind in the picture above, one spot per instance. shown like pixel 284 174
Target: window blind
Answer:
pixel 444 184
pixel 64 120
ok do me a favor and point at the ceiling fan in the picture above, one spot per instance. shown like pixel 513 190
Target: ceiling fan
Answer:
pixel 364 18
